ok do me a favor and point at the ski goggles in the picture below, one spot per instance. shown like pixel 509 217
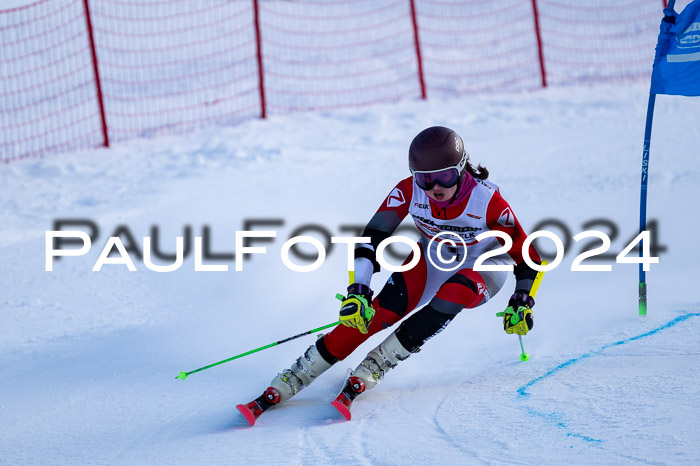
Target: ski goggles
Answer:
pixel 426 180
pixel 445 177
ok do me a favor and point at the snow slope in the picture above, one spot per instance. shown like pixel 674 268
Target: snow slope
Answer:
pixel 89 359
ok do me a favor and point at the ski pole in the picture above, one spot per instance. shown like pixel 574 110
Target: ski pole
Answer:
pixel 523 355
pixel 183 375
pixel 533 291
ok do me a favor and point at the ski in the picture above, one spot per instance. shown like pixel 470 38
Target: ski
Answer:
pixel 352 387
pixel 252 411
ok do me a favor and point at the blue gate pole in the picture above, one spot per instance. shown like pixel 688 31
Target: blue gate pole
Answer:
pixel 643 203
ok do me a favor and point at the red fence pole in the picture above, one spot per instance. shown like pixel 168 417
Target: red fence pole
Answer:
pixel 536 16
pixel 261 73
pixel 98 83
pixel 423 94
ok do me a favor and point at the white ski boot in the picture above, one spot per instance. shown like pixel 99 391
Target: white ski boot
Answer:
pixel 380 360
pixel 304 371
pixel 370 371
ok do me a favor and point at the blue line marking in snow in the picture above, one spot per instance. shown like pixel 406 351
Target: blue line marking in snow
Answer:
pixel 556 417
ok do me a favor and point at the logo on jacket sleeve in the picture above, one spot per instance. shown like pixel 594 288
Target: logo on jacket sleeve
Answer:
pixel 396 198
pixel 483 291
pixel 507 219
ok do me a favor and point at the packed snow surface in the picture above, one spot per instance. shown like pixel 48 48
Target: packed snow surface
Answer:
pixel 89 359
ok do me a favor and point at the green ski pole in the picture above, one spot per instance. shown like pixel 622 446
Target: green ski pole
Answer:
pixel 183 375
pixel 523 355
pixel 533 291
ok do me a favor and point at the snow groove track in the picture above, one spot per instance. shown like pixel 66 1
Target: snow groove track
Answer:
pixel 613 409
pixel 557 419
pixel 436 420
pixel 522 391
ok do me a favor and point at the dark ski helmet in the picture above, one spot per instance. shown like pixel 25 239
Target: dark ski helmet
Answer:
pixel 435 149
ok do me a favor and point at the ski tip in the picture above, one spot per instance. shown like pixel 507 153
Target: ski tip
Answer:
pixel 182 375
pixel 342 409
pixel 247 414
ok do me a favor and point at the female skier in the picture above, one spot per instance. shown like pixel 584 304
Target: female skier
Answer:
pixel 448 199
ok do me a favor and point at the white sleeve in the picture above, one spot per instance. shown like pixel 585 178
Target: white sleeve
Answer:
pixel 363 270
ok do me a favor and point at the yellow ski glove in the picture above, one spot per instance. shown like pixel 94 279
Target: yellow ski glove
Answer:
pixel 356 309
pixel 518 317
pixel 518 321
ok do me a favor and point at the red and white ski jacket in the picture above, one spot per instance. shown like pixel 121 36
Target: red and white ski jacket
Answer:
pixel 483 210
